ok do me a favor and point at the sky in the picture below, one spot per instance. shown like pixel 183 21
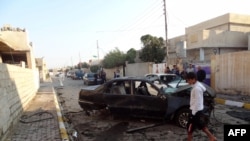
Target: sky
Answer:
pixel 66 32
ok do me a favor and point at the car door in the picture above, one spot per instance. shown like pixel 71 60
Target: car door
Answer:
pixel 147 105
pixel 118 97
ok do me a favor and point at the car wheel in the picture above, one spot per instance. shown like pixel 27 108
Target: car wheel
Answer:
pixel 181 118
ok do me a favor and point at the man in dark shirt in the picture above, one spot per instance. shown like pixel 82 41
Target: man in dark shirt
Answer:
pixel 201 74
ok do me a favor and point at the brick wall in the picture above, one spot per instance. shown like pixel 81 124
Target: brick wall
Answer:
pixel 18 86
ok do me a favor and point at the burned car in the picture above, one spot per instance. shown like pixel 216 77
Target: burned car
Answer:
pixel 140 97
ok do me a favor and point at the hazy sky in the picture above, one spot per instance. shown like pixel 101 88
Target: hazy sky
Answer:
pixel 65 32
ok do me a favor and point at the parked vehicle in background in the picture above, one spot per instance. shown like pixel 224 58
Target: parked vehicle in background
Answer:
pixel 70 74
pixel 91 79
pixel 140 97
pixel 171 80
pixel 77 74
pixel 163 77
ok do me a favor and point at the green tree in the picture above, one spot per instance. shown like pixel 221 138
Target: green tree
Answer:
pixel 94 68
pixel 131 54
pixel 114 58
pixel 85 65
pixel 153 49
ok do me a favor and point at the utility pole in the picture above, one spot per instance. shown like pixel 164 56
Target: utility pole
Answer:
pixel 80 65
pixel 166 30
pixel 97 50
pixel 98 55
pixel 72 63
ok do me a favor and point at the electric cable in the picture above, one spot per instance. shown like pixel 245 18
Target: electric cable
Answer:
pixel 24 118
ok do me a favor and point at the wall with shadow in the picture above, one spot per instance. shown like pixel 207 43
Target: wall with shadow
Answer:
pixel 18 86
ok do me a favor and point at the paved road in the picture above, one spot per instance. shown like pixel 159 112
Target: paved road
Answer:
pixel 101 126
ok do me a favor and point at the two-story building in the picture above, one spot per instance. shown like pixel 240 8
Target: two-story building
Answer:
pixel 15 48
pixel 223 34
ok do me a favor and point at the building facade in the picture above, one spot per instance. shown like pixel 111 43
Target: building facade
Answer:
pixel 223 34
pixel 15 47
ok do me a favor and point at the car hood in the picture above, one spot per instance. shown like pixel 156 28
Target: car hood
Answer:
pixel 174 84
pixel 171 90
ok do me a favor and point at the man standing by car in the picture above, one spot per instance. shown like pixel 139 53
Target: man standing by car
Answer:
pixel 201 74
pixel 190 68
pixel 196 120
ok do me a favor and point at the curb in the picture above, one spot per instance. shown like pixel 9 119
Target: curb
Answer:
pixel 63 131
pixel 232 103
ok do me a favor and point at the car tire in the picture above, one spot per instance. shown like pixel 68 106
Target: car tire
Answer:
pixel 181 117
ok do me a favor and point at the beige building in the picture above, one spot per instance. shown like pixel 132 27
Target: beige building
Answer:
pixel 15 47
pixel 19 77
pixel 42 68
pixel 223 34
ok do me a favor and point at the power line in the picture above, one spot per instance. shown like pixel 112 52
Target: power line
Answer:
pixel 149 14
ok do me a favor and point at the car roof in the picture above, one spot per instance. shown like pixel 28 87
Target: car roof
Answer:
pixel 159 74
pixel 132 78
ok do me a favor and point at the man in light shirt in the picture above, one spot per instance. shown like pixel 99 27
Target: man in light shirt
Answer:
pixel 196 106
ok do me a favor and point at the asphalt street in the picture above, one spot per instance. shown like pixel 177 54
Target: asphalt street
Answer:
pixel 54 114
pixel 102 125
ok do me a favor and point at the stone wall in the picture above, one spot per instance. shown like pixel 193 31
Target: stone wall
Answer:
pixel 18 86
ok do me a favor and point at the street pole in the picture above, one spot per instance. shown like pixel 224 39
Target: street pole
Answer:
pixel 97 50
pixel 166 30
pixel 72 63
pixel 98 54
pixel 80 65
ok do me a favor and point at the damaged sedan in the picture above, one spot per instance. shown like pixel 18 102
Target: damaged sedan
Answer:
pixel 140 97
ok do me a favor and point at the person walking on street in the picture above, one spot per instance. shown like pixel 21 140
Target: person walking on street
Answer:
pixel 61 79
pixel 201 74
pixel 196 106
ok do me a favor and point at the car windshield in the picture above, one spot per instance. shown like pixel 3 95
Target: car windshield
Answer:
pixel 91 75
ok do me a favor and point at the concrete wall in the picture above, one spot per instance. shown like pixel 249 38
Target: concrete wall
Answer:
pixel 138 69
pixel 18 86
pixel 110 72
pixel 135 69
pixel 230 73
